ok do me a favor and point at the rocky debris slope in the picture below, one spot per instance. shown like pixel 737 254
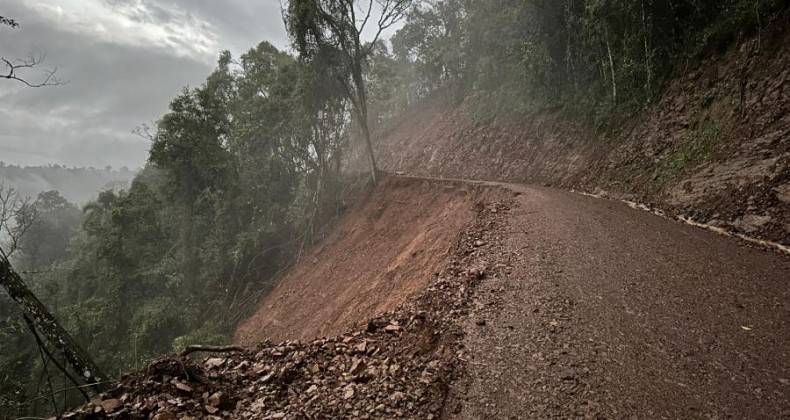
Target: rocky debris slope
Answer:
pixel 397 365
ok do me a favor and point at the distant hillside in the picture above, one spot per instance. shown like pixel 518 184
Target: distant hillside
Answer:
pixel 78 185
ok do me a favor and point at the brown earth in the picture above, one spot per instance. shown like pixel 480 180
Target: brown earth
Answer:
pixel 398 364
pixel 609 312
pixel 547 304
pixel 382 252
pixel 715 147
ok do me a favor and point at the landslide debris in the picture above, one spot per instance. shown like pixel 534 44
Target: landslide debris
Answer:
pixel 396 365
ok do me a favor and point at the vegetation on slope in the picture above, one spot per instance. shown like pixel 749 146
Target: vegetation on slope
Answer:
pixel 243 170
pixel 595 58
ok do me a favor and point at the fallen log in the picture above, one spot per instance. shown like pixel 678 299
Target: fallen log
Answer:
pixel 195 348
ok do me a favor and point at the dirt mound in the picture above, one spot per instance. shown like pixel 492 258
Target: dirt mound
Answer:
pixel 715 147
pixel 386 249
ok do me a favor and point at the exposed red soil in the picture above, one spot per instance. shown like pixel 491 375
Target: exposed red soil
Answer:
pixel 442 299
pixel 384 250
pixel 398 364
pixel 715 147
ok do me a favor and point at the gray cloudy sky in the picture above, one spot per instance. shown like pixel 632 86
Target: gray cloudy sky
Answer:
pixel 124 59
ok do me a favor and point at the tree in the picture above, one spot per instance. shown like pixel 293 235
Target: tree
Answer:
pixel 15 219
pixel 330 32
pixel 47 239
pixel 432 37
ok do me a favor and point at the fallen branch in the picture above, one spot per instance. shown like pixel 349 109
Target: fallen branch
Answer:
pixel 209 349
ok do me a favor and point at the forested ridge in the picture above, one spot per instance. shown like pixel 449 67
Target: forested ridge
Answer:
pixel 247 169
pixel 78 185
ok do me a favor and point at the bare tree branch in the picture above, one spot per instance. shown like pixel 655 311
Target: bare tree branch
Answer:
pixel 144 131
pixel 17 215
pixel 392 11
pixel 8 21
pixel 367 16
pixel 50 79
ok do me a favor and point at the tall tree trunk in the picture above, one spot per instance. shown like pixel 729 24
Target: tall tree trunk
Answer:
pixel 611 67
pixel 46 324
pixel 371 158
pixel 362 113
pixel 648 55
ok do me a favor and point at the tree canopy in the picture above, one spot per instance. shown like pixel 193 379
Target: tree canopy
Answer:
pixel 243 170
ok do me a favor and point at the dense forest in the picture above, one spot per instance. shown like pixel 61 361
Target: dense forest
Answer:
pixel 245 170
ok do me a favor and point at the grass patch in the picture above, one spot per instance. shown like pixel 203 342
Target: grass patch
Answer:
pixel 698 146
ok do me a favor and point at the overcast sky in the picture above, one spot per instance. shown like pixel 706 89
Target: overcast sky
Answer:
pixel 124 60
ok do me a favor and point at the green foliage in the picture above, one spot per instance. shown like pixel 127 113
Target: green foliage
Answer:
pixel 242 169
pixel 245 168
pixel 16 360
pixel 328 34
pixel 432 38
pixel 601 59
pixel 698 146
pixel 47 240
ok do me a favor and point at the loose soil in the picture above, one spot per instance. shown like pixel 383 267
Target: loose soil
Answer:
pixel 397 364
pixel 468 300
pixel 384 250
pixel 548 304
pixel 605 311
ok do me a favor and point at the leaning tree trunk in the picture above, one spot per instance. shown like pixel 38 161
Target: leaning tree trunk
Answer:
pixel 362 114
pixel 371 158
pixel 46 324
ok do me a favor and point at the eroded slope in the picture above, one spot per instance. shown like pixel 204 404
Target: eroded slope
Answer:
pixel 398 364
pixel 387 248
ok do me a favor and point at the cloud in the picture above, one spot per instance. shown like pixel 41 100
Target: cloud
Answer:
pixel 125 60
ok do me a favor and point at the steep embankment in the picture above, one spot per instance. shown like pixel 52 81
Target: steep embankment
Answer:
pixel 715 148
pixel 586 308
pixel 386 249
pixel 401 265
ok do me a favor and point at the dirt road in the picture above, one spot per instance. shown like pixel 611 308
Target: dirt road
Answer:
pixel 611 312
